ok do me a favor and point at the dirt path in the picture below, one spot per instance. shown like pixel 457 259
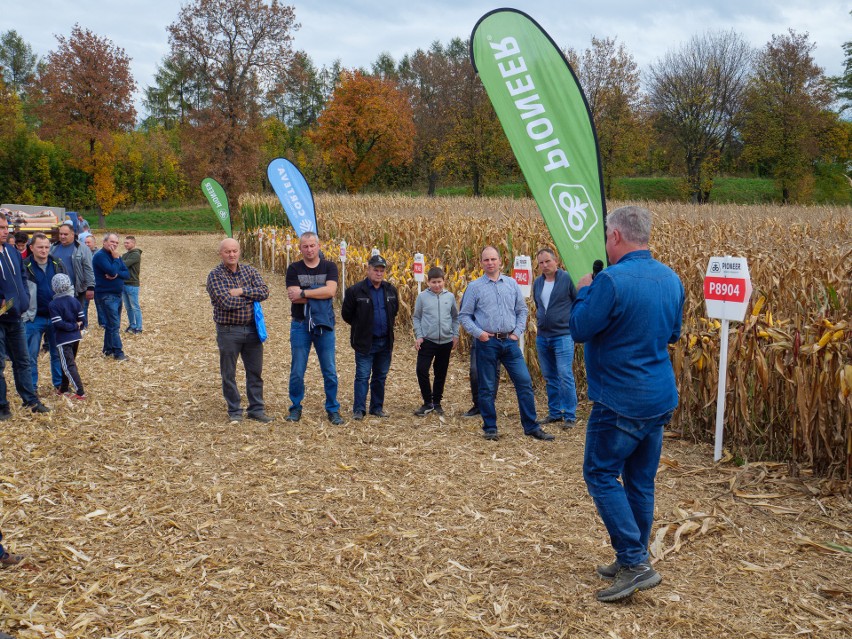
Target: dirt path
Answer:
pixel 146 515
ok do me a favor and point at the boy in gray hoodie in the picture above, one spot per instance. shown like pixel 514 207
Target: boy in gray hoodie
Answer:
pixel 436 331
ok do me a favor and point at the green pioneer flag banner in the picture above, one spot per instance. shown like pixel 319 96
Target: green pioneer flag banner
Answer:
pixel 547 121
pixel 215 194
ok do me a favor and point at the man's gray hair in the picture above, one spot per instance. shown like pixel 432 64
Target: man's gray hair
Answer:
pixel 308 234
pixel 634 223
pixel 110 234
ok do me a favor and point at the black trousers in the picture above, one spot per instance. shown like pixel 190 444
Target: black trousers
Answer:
pixel 242 342
pixel 439 354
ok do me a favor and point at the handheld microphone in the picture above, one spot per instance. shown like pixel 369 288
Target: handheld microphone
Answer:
pixel 597 267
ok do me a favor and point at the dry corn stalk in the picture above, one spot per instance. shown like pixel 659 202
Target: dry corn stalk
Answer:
pixel 790 370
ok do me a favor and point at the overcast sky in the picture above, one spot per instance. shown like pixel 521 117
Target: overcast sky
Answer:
pixel 357 31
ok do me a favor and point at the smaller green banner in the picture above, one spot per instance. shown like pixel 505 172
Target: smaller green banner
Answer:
pixel 215 194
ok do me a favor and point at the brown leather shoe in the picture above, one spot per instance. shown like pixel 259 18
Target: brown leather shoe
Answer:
pixel 8 559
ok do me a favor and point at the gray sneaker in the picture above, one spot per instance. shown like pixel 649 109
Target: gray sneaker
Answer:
pixel 424 410
pixel 628 580
pixel 295 415
pixel 568 424
pixel 609 572
pixel 335 418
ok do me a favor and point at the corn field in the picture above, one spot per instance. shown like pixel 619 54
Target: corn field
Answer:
pixel 789 363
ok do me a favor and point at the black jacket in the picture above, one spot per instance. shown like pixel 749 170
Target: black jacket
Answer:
pixel 357 311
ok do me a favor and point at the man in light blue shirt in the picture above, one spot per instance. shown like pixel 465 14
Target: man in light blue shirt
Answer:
pixel 494 312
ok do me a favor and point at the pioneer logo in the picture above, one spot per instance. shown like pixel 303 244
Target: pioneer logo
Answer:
pixel 575 209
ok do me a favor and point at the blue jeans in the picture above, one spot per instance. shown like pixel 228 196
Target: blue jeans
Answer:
pixel 489 355
pixel 101 312
pixel 41 326
pixel 629 448
pixel 130 299
pixel 372 370
pixel 13 346
pixel 111 305
pixel 300 345
pixel 556 358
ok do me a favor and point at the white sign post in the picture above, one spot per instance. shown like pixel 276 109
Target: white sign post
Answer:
pixel 417 268
pixel 522 274
pixel 260 247
pixel 727 290
pixel 288 249
pixel 342 269
pixel 274 248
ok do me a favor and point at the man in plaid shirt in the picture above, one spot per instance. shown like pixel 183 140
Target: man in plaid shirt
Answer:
pixel 233 289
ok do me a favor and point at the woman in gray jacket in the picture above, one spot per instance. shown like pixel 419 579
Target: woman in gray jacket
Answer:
pixel 436 331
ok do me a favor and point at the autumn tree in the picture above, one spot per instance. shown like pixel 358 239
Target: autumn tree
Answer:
pixel 787 106
pixel 696 94
pixel 843 84
pixel 610 80
pixel 425 76
pixel 475 148
pixel 385 67
pixel 366 124
pixel 17 62
pixel 85 93
pixel 240 48
pixel 179 89
pixel 298 95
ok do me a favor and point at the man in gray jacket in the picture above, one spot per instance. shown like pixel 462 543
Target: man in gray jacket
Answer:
pixel 77 259
pixel 554 294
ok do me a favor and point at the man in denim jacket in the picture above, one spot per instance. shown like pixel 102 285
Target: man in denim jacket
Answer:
pixel 627 317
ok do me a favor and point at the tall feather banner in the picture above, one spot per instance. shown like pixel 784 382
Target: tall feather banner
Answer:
pixel 292 189
pixel 546 118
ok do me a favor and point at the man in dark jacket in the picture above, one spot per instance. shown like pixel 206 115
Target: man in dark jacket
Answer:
pixel 554 294
pixel 14 302
pixel 370 307
pixel 39 269
pixel 110 275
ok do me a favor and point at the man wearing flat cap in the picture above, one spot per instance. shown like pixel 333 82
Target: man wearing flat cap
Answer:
pixel 370 307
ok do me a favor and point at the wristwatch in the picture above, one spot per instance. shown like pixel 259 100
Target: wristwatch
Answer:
pixel 302 294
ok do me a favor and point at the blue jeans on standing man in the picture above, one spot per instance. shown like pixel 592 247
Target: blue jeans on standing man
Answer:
pixel 111 305
pixel 556 359
pixel 489 356
pixel 300 345
pixel 13 347
pixel 630 448
pixel 130 299
pixel 41 326
pixel 100 311
pixel 372 369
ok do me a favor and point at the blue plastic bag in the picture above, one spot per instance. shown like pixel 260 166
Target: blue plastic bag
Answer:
pixel 260 322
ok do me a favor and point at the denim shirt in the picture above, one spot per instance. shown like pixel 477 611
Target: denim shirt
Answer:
pixel 627 317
